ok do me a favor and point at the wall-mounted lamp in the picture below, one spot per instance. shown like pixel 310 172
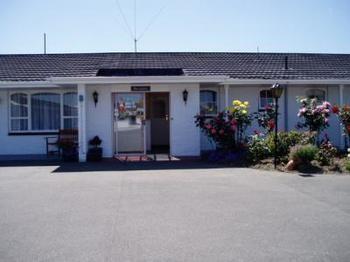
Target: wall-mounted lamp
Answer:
pixel 185 96
pixel 81 98
pixel 95 97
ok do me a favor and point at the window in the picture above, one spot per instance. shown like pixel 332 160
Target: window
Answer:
pixel 208 102
pixel 43 111
pixel 265 98
pixel 19 112
pixel 319 94
pixel 70 110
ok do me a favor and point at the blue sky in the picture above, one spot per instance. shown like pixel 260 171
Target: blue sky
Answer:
pixel 183 25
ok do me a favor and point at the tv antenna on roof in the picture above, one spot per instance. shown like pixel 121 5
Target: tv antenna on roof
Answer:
pixel 44 43
pixel 133 33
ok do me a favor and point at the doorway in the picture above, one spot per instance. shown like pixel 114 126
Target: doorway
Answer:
pixel 157 119
pixel 129 113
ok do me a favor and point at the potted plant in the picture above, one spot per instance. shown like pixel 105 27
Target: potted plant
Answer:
pixel 95 152
pixel 69 150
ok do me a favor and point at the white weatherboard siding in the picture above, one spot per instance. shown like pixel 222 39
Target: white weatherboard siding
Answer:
pixel 184 136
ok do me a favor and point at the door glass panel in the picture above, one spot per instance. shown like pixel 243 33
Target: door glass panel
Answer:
pixel 129 109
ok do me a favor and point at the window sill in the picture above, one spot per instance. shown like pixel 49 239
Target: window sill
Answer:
pixel 32 133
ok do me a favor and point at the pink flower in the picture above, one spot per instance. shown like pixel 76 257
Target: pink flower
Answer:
pixel 326 120
pixel 327 104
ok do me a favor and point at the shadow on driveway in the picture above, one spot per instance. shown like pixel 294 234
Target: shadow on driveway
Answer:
pixel 115 165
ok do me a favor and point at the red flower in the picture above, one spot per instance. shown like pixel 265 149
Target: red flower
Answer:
pixel 335 109
pixel 221 132
pixel 234 122
pixel 348 129
pixel 213 131
pixel 271 124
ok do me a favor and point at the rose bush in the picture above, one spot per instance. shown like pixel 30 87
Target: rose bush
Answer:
pixel 239 111
pixel 266 118
pixel 343 114
pixel 227 128
pixel 315 116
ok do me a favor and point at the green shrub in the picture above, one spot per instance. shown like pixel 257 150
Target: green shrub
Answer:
pixel 347 165
pixel 303 153
pixel 285 141
pixel 257 149
pixel 326 153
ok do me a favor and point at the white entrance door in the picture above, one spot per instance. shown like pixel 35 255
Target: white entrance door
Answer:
pixel 129 111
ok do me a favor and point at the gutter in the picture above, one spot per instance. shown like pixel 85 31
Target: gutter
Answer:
pixel 58 82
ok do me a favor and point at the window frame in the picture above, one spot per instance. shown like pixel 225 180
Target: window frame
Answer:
pixel 19 117
pixel 261 108
pixel 63 116
pixel 323 89
pixel 216 101
pixel 29 94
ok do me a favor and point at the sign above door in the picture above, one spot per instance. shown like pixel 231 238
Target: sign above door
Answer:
pixel 141 88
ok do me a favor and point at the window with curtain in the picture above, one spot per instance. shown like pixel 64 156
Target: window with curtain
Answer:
pixel 70 110
pixel 265 99
pixel 43 111
pixel 19 112
pixel 208 102
pixel 46 111
pixel 319 94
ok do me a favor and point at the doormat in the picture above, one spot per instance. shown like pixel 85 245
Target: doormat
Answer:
pixel 141 158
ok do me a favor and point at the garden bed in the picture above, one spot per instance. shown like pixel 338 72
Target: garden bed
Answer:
pixel 339 167
pixel 308 149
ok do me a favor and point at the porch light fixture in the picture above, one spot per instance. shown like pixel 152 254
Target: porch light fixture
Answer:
pixel 276 92
pixel 95 97
pixel 185 96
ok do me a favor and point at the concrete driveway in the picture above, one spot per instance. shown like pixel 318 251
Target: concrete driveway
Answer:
pixel 50 213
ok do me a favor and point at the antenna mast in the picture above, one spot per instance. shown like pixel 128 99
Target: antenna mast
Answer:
pixel 44 43
pixel 135 27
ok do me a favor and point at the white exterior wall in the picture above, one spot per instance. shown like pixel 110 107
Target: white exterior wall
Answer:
pixel 184 135
pixel 19 144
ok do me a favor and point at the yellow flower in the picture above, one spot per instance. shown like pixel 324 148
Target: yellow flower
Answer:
pixel 244 112
pixel 243 106
pixel 236 102
pixel 246 103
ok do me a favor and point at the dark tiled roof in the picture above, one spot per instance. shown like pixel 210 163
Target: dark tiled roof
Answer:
pixel 33 67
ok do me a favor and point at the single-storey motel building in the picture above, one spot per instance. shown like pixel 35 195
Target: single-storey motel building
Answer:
pixel 145 102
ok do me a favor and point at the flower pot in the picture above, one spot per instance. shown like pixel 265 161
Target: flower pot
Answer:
pixel 70 154
pixel 94 154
